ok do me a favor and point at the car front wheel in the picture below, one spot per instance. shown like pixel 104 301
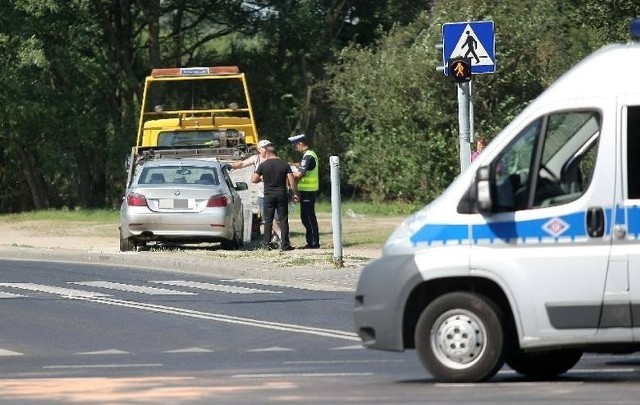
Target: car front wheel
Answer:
pixel 460 338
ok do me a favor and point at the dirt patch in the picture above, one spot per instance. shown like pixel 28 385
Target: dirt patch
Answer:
pixel 362 241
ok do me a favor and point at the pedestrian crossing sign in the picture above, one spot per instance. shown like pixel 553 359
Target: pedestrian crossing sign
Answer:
pixel 474 40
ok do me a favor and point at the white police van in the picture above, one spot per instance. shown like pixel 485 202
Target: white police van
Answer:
pixel 532 255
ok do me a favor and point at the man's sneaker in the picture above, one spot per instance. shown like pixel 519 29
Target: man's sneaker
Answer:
pixel 287 248
pixel 310 247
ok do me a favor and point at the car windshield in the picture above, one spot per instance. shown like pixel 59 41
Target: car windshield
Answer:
pixel 179 175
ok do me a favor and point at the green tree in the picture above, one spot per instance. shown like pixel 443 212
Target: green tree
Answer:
pixel 399 116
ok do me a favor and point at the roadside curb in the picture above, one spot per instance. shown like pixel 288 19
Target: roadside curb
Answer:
pixel 320 275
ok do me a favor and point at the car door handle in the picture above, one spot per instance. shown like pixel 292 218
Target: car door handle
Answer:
pixel 595 222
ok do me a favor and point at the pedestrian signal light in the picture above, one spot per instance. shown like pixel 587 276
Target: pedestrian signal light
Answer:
pixel 460 69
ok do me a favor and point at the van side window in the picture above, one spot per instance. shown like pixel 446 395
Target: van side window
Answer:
pixel 633 150
pixel 549 163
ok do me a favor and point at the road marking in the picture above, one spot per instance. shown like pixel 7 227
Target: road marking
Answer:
pixel 539 383
pixel 261 282
pixel 65 292
pixel 301 375
pixel 4 352
pixel 354 347
pixel 270 349
pixel 585 371
pixel 110 351
pixel 75 366
pixel 216 287
pixel 131 288
pixel 508 384
pixel 602 370
pixel 10 295
pixel 189 350
pixel 338 334
pixel 341 361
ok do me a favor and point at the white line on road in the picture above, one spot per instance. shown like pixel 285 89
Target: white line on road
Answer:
pixel 189 350
pixel 301 375
pixel 10 295
pixel 270 349
pixel 354 347
pixel 74 366
pixel 216 287
pixel 342 361
pixel 109 351
pixel 4 352
pixel 131 288
pixel 338 334
pixel 65 292
pixel 586 370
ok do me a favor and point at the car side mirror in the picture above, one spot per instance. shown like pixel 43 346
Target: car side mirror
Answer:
pixel 241 186
pixel 483 190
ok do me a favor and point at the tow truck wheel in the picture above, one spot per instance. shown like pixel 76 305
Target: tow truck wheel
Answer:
pixel 544 365
pixel 126 245
pixel 460 338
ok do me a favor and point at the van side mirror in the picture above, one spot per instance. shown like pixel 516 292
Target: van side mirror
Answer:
pixel 483 190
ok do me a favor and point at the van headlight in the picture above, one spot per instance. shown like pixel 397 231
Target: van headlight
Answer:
pixel 399 242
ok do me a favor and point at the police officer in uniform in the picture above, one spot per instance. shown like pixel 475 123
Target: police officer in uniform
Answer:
pixel 308 183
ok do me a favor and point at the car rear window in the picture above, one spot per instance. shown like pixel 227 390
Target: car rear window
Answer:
pixel 180 175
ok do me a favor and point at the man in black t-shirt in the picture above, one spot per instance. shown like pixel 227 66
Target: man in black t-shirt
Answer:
pixel 275 174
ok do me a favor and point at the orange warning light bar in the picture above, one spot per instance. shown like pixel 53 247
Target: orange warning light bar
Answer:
pixel 195 71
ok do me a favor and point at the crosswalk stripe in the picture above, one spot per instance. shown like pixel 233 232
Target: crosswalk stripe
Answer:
pixel 109 351
pixel 189 350
pixel 49 289
pixel 131 288
pixel 216 287
pixel 270 349
pixel 10 295
pixel 4 352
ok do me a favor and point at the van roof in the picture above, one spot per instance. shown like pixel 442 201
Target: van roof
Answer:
pixel 600 74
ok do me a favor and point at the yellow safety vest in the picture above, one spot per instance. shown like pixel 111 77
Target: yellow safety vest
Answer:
pixel 311 179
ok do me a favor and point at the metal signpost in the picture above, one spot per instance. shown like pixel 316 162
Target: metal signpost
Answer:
pixel 468 48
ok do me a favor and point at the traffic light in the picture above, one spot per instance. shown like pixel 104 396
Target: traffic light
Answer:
pixel 460 69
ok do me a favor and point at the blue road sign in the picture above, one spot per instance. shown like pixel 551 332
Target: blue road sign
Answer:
pixel 473 39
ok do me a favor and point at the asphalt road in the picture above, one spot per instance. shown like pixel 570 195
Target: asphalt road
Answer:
pixel 111 334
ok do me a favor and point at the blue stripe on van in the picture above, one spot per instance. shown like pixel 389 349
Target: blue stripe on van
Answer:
pixel 443 233
pixel 633 221
pixel 549 229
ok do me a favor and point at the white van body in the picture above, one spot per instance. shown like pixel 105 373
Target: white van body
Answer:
pixel 532 255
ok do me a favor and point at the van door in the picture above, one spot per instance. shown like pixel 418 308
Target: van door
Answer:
pixel 627 229
pixel 548 237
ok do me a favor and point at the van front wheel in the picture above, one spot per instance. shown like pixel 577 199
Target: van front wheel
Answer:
pixel 460 338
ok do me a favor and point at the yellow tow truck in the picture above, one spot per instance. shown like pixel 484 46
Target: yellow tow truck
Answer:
pixel 202 112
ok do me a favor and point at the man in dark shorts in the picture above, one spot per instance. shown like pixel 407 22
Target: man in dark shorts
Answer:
pixel 276 175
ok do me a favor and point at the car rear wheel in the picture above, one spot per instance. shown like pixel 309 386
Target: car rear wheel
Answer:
pixel 126 244
pixel 460 338
pixel 237 239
